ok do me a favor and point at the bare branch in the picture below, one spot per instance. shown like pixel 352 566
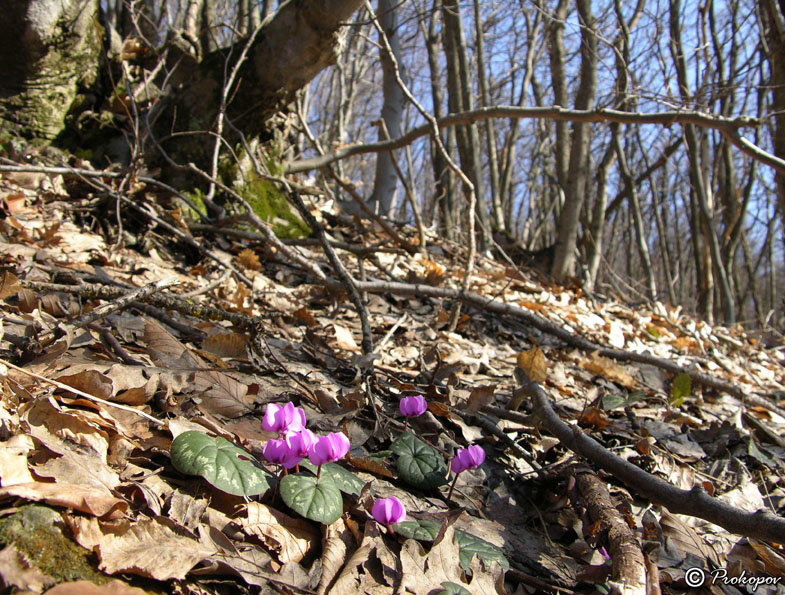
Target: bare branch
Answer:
pixel 727 126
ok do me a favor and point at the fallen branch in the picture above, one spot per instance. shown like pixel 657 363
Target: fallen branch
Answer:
pixel 695 502
pixel 628 569
pixel 566 336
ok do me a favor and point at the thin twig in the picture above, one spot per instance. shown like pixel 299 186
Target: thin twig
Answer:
pixel 88 396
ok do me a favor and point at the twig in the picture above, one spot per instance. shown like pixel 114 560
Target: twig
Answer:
pixel 695 502
pixel 117 304
pixel 161 300
pixel 346 279
pixel 212 285
pixel 81 393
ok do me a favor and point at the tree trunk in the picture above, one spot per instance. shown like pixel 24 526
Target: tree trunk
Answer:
pixel 49 49
pixel 385 178
pixel 578 168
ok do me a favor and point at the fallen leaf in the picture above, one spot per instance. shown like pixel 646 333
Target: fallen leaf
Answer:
pixel 226 344
pixel 88 500
pixel 113 587
pixel 249 260
pixel 344 339
pixel 291 539
pixel 9 285
pixel 533 362
pixel 147 548
pixel 13 460
pixel 15 571
pixel 480 397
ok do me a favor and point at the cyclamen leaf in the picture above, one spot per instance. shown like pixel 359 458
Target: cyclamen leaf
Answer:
pixel 487 552
pixel 453 589
pixel 221 463
pixel 344 480
pixel 419 464
pixel 421 530
pixel 319 500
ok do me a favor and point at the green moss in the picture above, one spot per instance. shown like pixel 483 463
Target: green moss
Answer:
pixel 34 532
pixel 271 206
pixel 196 196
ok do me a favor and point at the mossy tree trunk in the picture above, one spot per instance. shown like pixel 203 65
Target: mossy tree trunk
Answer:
pixel 49 49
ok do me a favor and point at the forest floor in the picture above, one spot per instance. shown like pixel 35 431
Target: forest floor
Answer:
pixel 95 389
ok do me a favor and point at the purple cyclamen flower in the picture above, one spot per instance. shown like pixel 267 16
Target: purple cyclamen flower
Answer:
pixel 388 511
pixel 300 442
pixel 279 452
pixel 413 406
pixel 467 458
pixel 283 419
pixel 328 449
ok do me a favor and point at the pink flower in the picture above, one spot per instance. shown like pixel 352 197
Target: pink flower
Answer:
pixel 300 442
pixel 283 419
pixel 467 458
pixel 328 449
pixel 413 406
pixel 276 451
pixel 388 511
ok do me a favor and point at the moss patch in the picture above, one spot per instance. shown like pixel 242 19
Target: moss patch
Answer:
pixel 34 531
pixel 271 206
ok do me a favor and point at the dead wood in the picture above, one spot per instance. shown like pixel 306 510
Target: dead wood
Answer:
pixel 628 568
pixel 695 502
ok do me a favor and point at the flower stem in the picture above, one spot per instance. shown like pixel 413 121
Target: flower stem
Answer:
pixel 390 529
pixel 318 472
pixel 452 487
pixel 405 424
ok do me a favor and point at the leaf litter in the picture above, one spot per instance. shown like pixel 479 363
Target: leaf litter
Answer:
pixel 95 447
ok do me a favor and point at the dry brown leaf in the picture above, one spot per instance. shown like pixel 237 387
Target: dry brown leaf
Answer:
pixel 80 469
pixel 186 510
pixel 361 571
pixel 423 571
pixel 148 548
pixel 291 539
pixel 88 500
pixel 374 466
pixel 226 344
pixel 249 260
pixel 221 394
pixel 610 369
pixel 533 306
pixel 303 316
pixel 27 300
pixel 91 382
pixel 480 397
pixel 9 285
pixel 533 362
pixel 166 351
pixel 113 587
pixel 684 538
pixel 13 460
pixel 15 571
pixel 344 339
pixel 338 542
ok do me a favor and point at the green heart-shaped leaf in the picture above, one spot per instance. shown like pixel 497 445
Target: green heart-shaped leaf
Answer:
pixel 487 552
pixel 453 589
pixel 345 480
pixel 418 529
pixel 419 464
pixel 319 500
pixel 223 464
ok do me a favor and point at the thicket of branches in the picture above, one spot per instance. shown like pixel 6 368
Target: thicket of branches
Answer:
pixel 643 142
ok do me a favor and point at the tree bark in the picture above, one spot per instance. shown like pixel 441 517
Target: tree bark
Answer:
pixel 385 178
pixel 578 168
pixel 49 49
